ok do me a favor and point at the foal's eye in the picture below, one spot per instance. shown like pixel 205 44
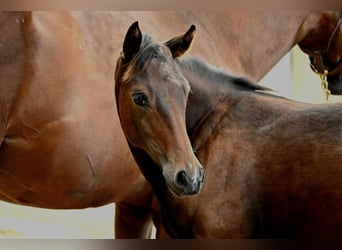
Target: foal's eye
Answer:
pixel 140 99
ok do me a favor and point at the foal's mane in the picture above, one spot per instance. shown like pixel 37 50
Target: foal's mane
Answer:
pixel 202 71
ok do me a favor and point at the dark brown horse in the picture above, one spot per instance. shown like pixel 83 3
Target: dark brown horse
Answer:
pixel 273 167
pixel 61 142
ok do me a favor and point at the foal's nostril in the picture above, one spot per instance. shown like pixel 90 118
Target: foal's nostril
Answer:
pixel 181 179
pixel 201 175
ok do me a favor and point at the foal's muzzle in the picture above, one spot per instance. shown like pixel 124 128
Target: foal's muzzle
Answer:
pixel 187 184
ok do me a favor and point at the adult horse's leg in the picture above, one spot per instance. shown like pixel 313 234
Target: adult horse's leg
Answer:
pixel 132 222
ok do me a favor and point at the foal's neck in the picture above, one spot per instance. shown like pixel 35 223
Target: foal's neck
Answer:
pixel 205 93
pixel 213 91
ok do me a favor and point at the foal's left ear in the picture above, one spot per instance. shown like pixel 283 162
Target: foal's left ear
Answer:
pixel 180 44
pixel 132 42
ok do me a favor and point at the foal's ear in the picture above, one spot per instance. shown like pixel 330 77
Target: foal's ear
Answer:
pixel 132 42
pixel 179 45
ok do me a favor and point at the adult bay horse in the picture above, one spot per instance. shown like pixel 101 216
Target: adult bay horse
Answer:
pixel 272 166
pixel 61 144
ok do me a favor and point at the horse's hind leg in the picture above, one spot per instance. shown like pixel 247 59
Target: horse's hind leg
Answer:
pixel 132 222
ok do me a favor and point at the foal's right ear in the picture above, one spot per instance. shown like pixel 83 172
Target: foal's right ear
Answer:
pixel 132 42
pixel 181 44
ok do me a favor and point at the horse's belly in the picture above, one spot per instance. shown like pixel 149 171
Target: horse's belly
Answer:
pixel 65 163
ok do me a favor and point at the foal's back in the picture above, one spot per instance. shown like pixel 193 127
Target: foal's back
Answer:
pixel 285 163
pixel 298 164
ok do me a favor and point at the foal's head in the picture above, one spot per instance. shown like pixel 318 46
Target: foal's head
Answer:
pixel 151 95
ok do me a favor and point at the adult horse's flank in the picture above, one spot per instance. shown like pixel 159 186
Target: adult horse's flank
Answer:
pixel 273 167
pixel 61 144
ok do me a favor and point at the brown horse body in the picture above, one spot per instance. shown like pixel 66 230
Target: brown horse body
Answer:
pixel 272 166
pixel 61 141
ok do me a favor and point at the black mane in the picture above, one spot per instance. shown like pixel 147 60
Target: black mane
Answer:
pixel 203 70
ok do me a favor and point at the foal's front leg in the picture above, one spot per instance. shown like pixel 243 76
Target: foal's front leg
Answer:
pixel 132 222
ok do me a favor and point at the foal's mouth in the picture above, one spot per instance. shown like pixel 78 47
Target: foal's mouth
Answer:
pixel 176 193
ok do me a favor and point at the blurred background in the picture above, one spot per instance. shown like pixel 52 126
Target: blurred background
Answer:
pixel 291 77
pixel 21 222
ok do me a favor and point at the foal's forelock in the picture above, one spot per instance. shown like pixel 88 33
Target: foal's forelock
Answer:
pixel 147 55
